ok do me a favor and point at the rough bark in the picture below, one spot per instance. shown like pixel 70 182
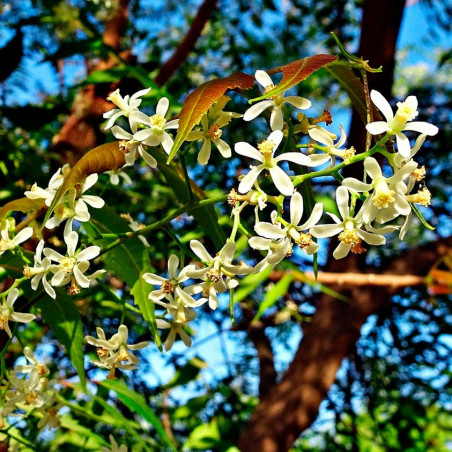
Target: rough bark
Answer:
pixel 292 405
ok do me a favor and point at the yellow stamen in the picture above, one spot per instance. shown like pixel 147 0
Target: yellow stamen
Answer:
pixel 419 173
pixel 167 287
pixel 266 146
pixel 422 197
pixel 157 122
pixel 214 132
pixel 349 237
pixel 304 241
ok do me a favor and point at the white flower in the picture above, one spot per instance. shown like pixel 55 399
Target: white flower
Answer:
pixel 395 125
pixel 42 370
pixel 74 206
pixel 265 155
pixel 27 391
pixel 276 103
pixel 71 268
pixel 351 233
pixel 216 268
pixel 115 352
pixel 115 177
pixel 331 149
pixel 176 328
pixel 114 446
pixel 387 192
pixel 171 286
pixel 47 194
pixel 156 134
pixel 126 105
pixel 130 145
pixel 7 244
pixel 7 313
pixel 40 270
pixel 293 230
pixel 210 134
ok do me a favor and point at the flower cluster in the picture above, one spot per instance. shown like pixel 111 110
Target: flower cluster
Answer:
pixel 366 211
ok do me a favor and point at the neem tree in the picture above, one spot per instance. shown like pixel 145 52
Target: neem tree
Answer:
pixel 274 218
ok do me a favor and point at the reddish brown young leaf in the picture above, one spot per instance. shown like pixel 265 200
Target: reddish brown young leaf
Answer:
pixel 295 72
pixel 102 158
pixel 21 205
pixel 199 101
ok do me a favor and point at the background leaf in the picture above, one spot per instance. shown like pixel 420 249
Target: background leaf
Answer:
pixel 63 317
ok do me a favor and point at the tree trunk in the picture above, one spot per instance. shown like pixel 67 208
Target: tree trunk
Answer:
pixel 292 405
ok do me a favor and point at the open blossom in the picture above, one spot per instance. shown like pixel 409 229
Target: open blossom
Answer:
pixel 7 244
pixel 216 269
pixel 401 122
pixel 156 131
pixel 330 148
pixel 28 391
pixel 38 273
pixel 175 329
pixel 7 313
pixel 47 194
pixel 349 229
pixel 74 206
pixel 71 268
pixel 275 103
pixel 41 369
pixel 387 192
pixel 115 351
pixel 264 154
pixel 294 230
pixel 126 105
pixel 171 286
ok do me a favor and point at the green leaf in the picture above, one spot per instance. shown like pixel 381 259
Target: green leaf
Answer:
pixel 188 372
pixel 64 319
pixel 249 284
pixel 126 260
pixel 86 437
pixel 191 408
pixel 203 437
pixel 272 296
pixel 140 292
pixel 418 213
pixel 137 403
pixel 352 86
pixel 206 216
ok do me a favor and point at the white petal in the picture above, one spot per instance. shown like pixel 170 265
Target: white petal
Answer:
pixel 321 136
pixel 356 185
pixel 372 167
pixel 318 159
pixel 223 147
pixel 94 201
pixel 247 150
pixel 256 109
pixel 90 181
pixel 81 279
pixel 276 119
pixel 276 136
pixel 71 242
pixel 148 158
pixel 88 253
pixel 377 127
pixel 150 278
pixel 173 263
pixel 295 157
pixel 269 230
pixel 296 208
pixel 382 104
pixel 248 181
pixel 422 127
pixel 23 235
pixel 282 181
pixel 204 153
pixel 259 243
pixel 298 102
pixel 263 78
pixel 401 204
pixel 199 249
pixel 342 197
pixel 162 106
pixel 403 144
pixel 341 251
pixel 167 142
pixel 326 230
pixel 372 239
pixel 314 218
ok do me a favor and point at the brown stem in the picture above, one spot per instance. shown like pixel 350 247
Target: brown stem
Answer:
pixel 187 44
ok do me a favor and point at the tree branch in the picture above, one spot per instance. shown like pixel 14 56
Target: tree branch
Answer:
pixel 187 44
pixel 292 405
